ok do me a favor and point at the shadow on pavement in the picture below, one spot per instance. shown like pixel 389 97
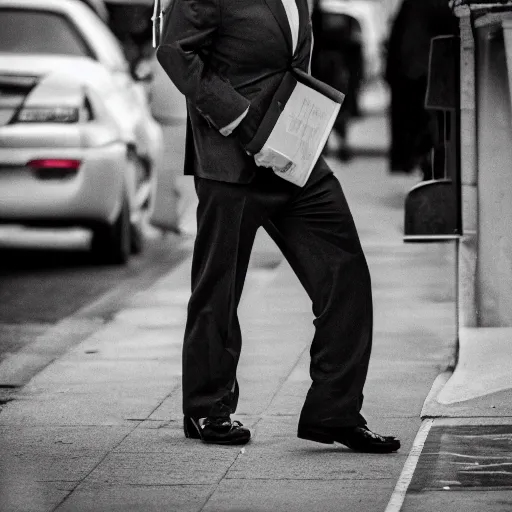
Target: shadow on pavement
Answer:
pixel 368 152
pixel 44 259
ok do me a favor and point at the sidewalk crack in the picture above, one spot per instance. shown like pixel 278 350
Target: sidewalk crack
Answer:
pixel 280 387
pixel 240 452
pixel 94 468
pixel 136 424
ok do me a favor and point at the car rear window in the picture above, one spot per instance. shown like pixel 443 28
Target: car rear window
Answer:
pixel 27 31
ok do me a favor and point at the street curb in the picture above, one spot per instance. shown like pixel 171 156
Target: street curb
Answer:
pixel 397 498
pixel 430 407
pixel 428 417
pixel 17 369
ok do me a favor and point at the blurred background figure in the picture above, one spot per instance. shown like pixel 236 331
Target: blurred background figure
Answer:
pixel 413 128
pixel 130 21
pixel 336 60
pixel 347 54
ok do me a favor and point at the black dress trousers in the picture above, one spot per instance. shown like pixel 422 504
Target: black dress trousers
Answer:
pixel 315 231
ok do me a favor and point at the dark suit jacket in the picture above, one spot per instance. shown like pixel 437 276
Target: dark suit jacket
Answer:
pixel 225 56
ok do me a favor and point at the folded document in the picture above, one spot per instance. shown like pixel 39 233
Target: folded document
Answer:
pixel 294 131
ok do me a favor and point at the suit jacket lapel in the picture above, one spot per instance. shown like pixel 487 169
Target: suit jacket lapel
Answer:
pixel 277 9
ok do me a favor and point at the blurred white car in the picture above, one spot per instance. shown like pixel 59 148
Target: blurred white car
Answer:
pixel 78 144
pixel 99 7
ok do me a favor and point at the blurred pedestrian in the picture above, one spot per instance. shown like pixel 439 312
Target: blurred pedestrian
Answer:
pixel 131 24
pixel 413 128
pixel 337 61
pixel 228 58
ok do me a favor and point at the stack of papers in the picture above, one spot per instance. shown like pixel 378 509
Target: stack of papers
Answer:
pixel 299 135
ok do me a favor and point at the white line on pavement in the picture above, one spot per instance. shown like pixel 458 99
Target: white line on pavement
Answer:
pixel 398 496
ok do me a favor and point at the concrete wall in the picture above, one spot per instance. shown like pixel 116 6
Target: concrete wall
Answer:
pixel 494 132
pixel 467 248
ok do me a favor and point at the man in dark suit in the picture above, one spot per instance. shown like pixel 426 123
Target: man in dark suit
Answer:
pixel 228 57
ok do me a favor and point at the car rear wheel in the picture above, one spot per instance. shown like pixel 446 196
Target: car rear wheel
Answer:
pixel 141 201
pixel 136 238
pixel 111 243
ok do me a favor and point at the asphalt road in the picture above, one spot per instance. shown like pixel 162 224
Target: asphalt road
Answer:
pixel 48 276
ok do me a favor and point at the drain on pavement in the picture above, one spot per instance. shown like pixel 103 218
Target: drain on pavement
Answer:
pixel 465 457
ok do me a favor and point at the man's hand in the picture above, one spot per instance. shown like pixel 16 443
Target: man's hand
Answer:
pixel 188 33
pixel 268 157
pixel 455 3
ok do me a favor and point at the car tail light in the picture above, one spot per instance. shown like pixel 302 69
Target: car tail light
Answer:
pixel 48 115
pixel 54 168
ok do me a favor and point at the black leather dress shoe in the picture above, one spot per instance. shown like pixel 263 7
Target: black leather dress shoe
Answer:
pixel 359 439
pixel 216 430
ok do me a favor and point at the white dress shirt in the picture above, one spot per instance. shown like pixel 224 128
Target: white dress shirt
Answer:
pixel 292 13
pixel 293 19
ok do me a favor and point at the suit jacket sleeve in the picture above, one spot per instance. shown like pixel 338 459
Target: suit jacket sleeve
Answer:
pixel 190 27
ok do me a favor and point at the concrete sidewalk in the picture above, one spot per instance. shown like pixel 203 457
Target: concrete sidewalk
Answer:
pixel 100 429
